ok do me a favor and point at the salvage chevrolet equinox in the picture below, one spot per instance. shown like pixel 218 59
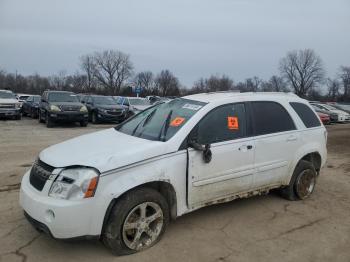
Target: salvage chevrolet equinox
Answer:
pixel 126 183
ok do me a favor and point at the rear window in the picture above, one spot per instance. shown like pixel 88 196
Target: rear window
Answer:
pixel 270 117
pixel 306 114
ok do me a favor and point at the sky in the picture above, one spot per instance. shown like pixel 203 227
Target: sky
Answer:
pixel 191 38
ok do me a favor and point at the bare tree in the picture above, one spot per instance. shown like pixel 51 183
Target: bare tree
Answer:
pixel 250 85
pixel 145 80
pixel 167 84
pixel 345 78
pixel 212 84
pixel 333 88
pixel 58 81
pixel 87 64
pixel 113 68
pixel 303 70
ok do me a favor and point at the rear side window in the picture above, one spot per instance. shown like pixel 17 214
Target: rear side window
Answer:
pixel 224 123
pixel 270 117
pixel 306 114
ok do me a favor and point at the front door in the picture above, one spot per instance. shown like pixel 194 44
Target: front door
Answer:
pixel 231 168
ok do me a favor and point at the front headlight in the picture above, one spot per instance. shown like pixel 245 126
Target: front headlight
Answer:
pixel 75 184
pixel 54 108
pixel 18 105
pixel 83 109
pixel 102 110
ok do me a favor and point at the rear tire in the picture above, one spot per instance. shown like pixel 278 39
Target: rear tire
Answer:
pixel 302 183
pixel 129 229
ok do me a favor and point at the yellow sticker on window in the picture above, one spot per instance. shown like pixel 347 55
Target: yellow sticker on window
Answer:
pixel 232 123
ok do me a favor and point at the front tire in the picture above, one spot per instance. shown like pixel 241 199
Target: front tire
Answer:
pixel 137 221
pixel 49 122
pixel 302 183
pixel 94 118
pixel 40 120
pixel 83 123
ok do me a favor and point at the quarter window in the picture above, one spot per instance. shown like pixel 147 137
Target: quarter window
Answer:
pixel 270 117
pixel 224 123
pixel 306 114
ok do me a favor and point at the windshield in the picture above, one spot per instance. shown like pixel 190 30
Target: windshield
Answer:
pixel 138 102
pixel 7 95
pixel 36 99
pixel 104 100
pixel 162 121
pixel 329 107
pixel 63 97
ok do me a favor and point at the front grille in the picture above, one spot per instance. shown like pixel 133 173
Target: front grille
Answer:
pixel 39 173
pixel 7 106
pixel 69 108
pixel 115 113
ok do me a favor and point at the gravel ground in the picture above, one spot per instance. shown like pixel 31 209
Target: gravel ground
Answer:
pixel 264 228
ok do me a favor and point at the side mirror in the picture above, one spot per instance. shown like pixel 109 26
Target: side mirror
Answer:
pixel 196 146
pixel 207 154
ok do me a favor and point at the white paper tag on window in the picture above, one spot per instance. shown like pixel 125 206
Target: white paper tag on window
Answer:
pixel 192 107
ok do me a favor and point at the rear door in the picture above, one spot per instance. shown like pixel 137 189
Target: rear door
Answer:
pixel 230 170
pixel 276 141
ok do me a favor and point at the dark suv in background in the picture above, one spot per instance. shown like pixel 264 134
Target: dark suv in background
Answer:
pixel 104 109
pixel 62 106
pixel 31 106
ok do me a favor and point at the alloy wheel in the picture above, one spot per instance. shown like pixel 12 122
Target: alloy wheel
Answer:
pixel 142 226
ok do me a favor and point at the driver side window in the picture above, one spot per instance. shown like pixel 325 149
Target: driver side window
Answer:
pixel 224 123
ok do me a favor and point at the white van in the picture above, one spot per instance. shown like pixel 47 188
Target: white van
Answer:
pixel 124 184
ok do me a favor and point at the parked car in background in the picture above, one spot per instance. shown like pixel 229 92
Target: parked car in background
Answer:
pixel 31 106
pixel 135 104
pixel 325 118
pixel 9 105
pixel 62 106
pixel 22 98
pixel 157 99
pixel 125 184
pixel 342 115
pixel 333 116
pixel 104 109
pixel 343 107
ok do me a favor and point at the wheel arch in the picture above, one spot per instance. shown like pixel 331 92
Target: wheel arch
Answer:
pixel 165 188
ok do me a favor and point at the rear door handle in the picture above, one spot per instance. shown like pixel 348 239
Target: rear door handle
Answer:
pixel 292 138
pixel 244 148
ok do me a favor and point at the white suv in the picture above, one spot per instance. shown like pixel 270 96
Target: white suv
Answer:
pixel 124 184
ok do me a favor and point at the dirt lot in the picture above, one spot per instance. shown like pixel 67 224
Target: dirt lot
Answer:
pixel 265 228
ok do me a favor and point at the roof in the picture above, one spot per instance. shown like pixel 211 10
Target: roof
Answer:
pixel 217 96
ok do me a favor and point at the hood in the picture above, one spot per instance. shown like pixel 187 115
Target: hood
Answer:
pixel 110 106
pixel 104 150
pixel 8 101
pixel 340 112
pixel 141 108
pixel 66 103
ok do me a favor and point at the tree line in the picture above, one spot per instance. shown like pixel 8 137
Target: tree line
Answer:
pixel 111 72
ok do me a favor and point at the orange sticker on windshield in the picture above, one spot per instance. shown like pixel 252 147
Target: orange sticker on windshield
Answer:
pixel 232 122
pixel 177 121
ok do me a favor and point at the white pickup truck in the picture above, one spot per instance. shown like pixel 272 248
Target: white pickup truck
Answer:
pixel 9 105
pixel 124 184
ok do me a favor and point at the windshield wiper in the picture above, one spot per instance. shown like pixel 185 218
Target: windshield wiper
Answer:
pixel 165 127
pixel 144 121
